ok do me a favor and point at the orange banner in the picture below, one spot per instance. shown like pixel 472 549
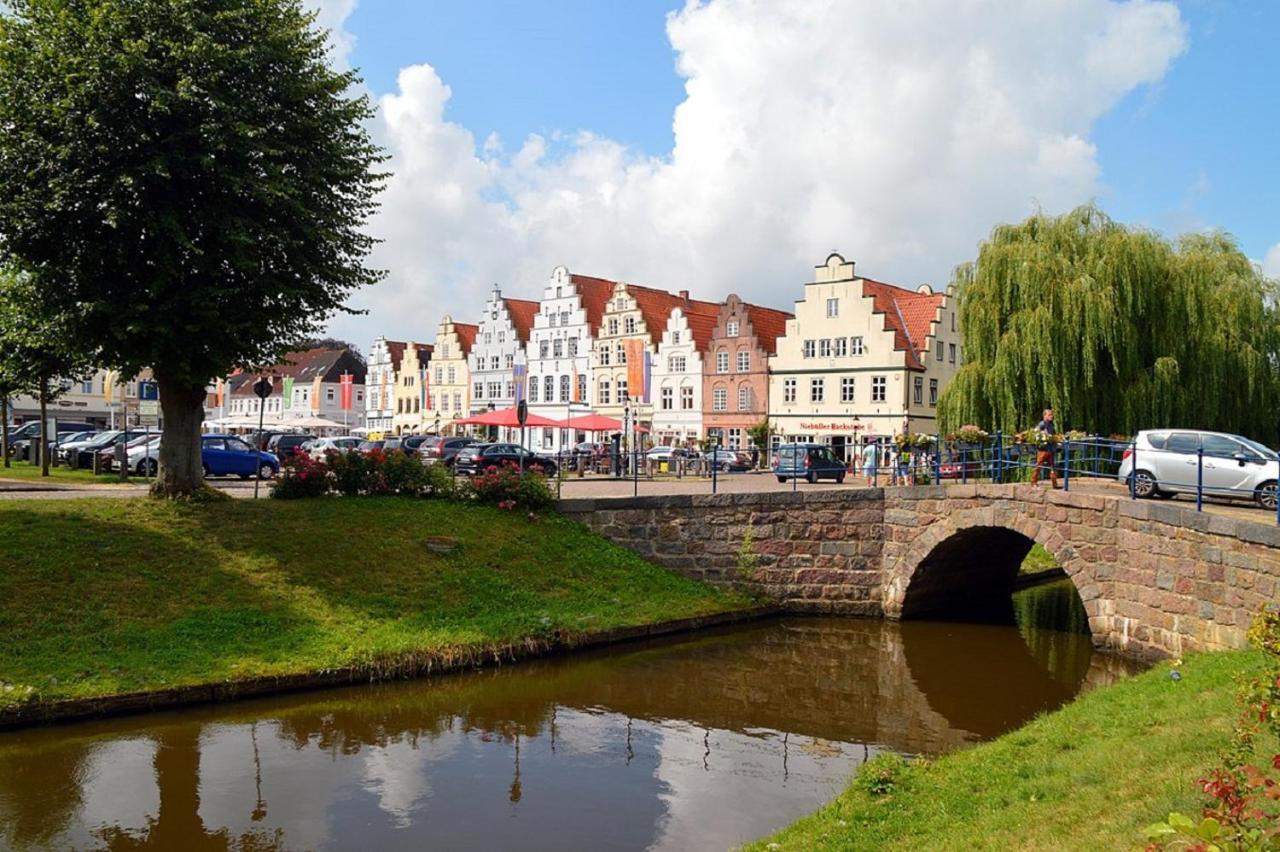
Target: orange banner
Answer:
pixel 315 394
pixel 635 368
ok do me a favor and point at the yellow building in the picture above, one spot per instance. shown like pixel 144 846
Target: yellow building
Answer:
pixel 861 359
pixel 449 379
pixel 408 400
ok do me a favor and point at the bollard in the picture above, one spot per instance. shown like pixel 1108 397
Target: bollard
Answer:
pixel 1066 464
pixel 937 459
pixel 1199 479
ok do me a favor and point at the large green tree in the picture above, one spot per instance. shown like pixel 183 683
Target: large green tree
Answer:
pixel 1116 328
pixel 189 179
pixel 38 355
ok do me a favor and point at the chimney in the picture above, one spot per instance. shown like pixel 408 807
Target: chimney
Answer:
pixel 684 295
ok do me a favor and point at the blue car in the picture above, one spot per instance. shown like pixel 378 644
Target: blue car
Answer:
pixel 227 455
pixel 809 462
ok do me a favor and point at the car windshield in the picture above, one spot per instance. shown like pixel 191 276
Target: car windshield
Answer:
pixel 1266 452
pixel 104 439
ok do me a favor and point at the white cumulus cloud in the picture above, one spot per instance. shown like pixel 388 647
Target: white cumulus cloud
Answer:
pixel 1271 262
pixel 897 133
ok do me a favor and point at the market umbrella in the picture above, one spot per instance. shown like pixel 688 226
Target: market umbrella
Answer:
pixel 507 417
pixel 597 423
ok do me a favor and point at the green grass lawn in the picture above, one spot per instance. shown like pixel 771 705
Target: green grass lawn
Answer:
pixel 27 472
pixel 1091 776
pixel 1038 559
pixel 106 596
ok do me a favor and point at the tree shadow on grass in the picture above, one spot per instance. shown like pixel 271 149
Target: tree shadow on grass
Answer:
pixel 99 598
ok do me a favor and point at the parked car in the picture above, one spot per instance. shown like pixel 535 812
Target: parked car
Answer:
pixel 286 444
pixel 21 449
pixel 666 453
pixel 80 454
pixel 321 446
pixel 480 457
pixel 437 449
pixel 135 451
pixel 227 455
pixel 728 460
pixel 809 462
pixel 384 444
pixel 413 443
pixel 1164 462
pixel 27 431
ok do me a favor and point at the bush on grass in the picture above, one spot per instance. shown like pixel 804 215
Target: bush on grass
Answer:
pixel 301 476
pixel 505 488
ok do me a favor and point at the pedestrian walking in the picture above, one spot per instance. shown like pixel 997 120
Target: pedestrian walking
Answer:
pixel 1045 454
pixel 902 467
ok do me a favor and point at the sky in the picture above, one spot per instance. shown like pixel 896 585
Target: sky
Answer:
pixel 730 145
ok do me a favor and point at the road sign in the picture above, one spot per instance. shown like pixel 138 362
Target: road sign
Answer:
pixel 148 408
pixel 262 387
pixel 522 412
pixel 148 391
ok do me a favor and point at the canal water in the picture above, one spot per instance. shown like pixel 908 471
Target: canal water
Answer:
pixel 701 742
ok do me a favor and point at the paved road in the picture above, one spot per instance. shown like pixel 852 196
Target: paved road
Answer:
pixel 601 486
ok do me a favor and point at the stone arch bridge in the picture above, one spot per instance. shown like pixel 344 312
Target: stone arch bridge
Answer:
pixel 1156 579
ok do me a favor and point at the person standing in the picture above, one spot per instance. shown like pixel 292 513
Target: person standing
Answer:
pixel 870 460
pixel 1045 454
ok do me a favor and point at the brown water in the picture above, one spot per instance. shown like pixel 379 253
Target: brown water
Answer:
pixel 695 743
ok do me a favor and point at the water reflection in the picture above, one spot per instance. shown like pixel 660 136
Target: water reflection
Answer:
pixel 705 742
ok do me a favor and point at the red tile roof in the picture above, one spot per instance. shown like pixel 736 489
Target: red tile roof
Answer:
pixel 306 366
pixel 522 312
pixel 656 306
pixel 593 294
pixel 908 314
pixel 395 349
pixel 466 335
pixel 701 317
pixel 768 324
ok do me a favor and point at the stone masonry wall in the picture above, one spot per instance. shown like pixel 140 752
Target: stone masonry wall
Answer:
pixel 1156 579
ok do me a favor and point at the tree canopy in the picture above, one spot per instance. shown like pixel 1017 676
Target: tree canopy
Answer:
pixel 1116 328
pixel 188 180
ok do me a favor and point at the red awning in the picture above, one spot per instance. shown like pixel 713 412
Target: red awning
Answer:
pixel 597 423
pixel 507 417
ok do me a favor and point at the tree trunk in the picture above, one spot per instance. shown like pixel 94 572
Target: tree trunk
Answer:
pixel 4 429
pixel 181 473
pixel 42 444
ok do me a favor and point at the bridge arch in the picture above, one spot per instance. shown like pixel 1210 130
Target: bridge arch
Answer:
pixel 970 558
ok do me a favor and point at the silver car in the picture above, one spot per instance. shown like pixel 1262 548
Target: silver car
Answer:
pixel 1164 462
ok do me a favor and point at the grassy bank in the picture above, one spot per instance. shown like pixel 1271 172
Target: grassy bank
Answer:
pixel 100 597
pixel 27 472
pixel 1090 776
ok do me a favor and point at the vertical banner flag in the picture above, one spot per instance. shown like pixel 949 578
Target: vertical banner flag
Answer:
pixel 635 368
pixel 219 388
pixel 108 386
pixel 287 390
pixel 345 385
pixel 520 375
pixel 648 373
pixel 424 379
pixel 577 391
pixel 315 394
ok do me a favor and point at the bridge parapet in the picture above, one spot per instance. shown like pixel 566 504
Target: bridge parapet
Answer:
pixel 1156 579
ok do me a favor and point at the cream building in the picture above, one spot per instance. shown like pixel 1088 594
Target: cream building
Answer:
pixel 861 360
pixel 560 352
pixel 449 379
pixel 677 374
pixel 408 397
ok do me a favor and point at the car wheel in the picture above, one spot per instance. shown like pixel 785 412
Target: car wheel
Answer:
pixel 266 471
pixel 1144 484
pixel 1266 496
pixel 810 477
pixel 782 479
pixel 205 468
pixel 839 479
pixel 147 467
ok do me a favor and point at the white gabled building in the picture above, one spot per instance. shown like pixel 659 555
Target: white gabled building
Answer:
pixel 383 380
pixel 559 354
pixel 677 374
pixel 497 358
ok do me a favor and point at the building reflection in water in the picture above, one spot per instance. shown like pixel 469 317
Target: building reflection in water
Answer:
pixel 709 741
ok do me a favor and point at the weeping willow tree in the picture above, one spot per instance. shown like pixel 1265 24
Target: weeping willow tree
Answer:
pixel 1117 329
